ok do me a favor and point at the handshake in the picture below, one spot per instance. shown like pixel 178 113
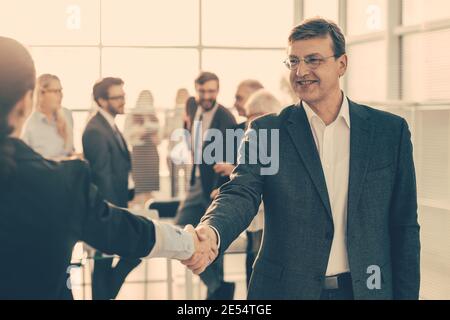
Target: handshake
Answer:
pixel 206 251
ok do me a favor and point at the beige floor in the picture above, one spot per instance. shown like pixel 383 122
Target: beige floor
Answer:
pixel 156 287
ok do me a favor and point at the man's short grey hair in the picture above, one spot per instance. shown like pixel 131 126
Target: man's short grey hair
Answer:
pixel 262 102
pixel 253 85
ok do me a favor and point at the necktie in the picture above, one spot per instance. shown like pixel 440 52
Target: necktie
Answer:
pixel 197 146
pixel 119 138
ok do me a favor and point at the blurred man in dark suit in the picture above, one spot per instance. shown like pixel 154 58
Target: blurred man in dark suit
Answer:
pixel 205 113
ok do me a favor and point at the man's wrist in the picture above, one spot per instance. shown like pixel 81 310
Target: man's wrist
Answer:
pixel 217 236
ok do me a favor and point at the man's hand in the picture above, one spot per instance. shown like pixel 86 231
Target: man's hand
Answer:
pixel 206 251
pixel 223 169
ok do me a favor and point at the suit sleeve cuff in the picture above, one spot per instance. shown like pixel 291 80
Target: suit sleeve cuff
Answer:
pixel 218 236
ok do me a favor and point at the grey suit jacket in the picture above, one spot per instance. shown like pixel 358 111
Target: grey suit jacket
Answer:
pixel 382 228
pixel 110 164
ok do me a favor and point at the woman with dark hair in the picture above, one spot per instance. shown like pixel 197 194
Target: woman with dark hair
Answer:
pixel 46 206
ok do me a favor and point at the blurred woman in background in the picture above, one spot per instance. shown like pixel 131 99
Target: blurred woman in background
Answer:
pixel 49 130
pixel 142 133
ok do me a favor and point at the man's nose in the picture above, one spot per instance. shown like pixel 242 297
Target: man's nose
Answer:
pixel 302 69
pixel 208 96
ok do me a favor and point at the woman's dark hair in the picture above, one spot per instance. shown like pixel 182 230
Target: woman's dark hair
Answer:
pixel 17 77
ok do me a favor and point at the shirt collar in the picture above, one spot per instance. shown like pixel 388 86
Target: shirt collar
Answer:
pixel 208 112
pixel 344 111
pixel 108 118
pixel 41 117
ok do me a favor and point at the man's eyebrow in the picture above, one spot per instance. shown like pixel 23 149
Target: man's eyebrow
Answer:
pixel 309 55
pixel 313 54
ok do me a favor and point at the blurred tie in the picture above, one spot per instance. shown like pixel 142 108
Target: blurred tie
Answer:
pixel 197 147
pixel 119 138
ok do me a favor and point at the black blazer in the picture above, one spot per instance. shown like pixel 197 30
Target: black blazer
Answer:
pixel 110 164
pixel 45 208
pixel 382 227
pixel 222 120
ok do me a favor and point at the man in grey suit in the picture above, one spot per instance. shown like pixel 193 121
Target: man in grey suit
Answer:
pixel 341 210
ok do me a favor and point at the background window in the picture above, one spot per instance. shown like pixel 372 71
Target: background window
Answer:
pixel 365 16
pixel 57 22
pixel 426 66
pixel 162 71
pixel 328 9
pixel 366 74
pixel 246 23
pixel 78 69
pixel 419 11
pixel 433 155
pixel 150 22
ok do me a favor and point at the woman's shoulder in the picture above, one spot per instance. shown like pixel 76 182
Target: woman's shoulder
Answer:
pixel 67 112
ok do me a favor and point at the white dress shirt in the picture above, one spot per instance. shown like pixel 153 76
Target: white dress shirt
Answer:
pixel 202 120
pixel 333 145
pixel 42 135
pixel 172 242
pixel 109 118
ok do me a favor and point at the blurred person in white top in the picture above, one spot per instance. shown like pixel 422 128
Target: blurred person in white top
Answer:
pixel 142 133
pixel 49 130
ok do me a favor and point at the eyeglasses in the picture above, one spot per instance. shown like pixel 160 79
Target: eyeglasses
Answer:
pixel 313 62
pixel 53 90
pixel 203 92
pixel 122 98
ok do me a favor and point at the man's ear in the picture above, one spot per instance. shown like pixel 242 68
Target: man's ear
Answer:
pixel 343 62
pixel 102 103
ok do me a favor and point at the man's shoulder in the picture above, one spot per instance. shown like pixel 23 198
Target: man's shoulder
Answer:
pixel 95 124
pixel 74 169
pixel 224 110
pixel 225 114
pixel 274 120
pixel 377 116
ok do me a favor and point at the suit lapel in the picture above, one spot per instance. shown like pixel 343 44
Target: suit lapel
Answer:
pixel 107 126
pixel 361 138
pixel 301 135
pixel 215 124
